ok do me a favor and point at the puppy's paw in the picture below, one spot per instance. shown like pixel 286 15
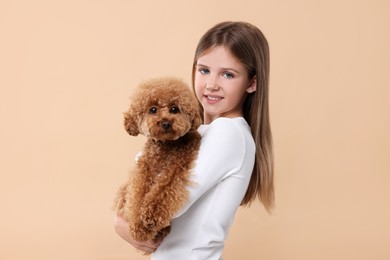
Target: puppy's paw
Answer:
pixel 154 219
pixel 139 233
pixel 149 223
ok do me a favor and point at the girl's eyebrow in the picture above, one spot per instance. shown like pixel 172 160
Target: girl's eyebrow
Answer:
pixel 201 65
pixel 205 66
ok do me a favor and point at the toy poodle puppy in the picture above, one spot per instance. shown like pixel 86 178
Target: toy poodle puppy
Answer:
pixel 166 111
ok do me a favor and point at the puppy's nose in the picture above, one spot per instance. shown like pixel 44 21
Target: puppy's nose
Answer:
pixel 166 125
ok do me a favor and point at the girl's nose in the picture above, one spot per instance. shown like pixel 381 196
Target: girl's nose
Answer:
pixel 212 84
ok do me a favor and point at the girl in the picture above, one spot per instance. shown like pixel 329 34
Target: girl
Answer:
pixel 235 162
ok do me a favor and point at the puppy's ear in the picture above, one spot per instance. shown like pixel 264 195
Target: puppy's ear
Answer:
pixel 131 124
pixel 196 120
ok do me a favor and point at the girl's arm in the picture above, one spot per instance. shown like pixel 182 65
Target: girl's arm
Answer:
pixel 122 229
pixel 221 155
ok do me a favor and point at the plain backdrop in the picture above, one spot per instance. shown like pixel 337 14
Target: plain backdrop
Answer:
pixel 67 69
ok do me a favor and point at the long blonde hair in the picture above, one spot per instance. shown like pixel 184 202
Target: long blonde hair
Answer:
pixel 248 44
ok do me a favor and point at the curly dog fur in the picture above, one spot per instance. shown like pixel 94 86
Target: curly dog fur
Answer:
pixel 165 111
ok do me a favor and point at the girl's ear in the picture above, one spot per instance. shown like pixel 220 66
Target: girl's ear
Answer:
pixel 252 85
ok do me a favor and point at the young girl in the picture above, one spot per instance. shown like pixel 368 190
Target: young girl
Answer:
pixel 235 163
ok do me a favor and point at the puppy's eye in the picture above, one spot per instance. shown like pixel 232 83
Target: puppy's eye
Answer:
pixel 153 110
pixel 174 110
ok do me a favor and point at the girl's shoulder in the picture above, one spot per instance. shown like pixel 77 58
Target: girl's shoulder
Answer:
pixel 227 141
pixel 224 125
pixel 227 133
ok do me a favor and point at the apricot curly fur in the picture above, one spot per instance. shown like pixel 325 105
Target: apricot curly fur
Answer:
pixel 165 111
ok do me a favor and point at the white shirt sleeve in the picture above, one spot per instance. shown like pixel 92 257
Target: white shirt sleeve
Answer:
pixel 221 155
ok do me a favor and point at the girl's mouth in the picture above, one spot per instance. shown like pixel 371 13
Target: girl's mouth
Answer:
pixel 213 98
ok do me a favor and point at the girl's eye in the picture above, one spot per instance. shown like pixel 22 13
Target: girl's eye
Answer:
pixel 228 75
pixel 204 71
pixel 174 110
pixel 153 110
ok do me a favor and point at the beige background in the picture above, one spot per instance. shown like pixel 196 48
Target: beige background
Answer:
pixel 67 69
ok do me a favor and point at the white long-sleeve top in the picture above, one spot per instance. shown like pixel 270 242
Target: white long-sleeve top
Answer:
pixel 221 176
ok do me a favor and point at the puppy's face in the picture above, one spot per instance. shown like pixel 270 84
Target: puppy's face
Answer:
pixel 163 110
pixel 164 120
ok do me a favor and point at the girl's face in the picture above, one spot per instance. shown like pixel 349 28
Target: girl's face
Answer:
pixel 221 84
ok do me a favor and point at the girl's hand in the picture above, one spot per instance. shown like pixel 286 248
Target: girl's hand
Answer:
pixel 122 229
